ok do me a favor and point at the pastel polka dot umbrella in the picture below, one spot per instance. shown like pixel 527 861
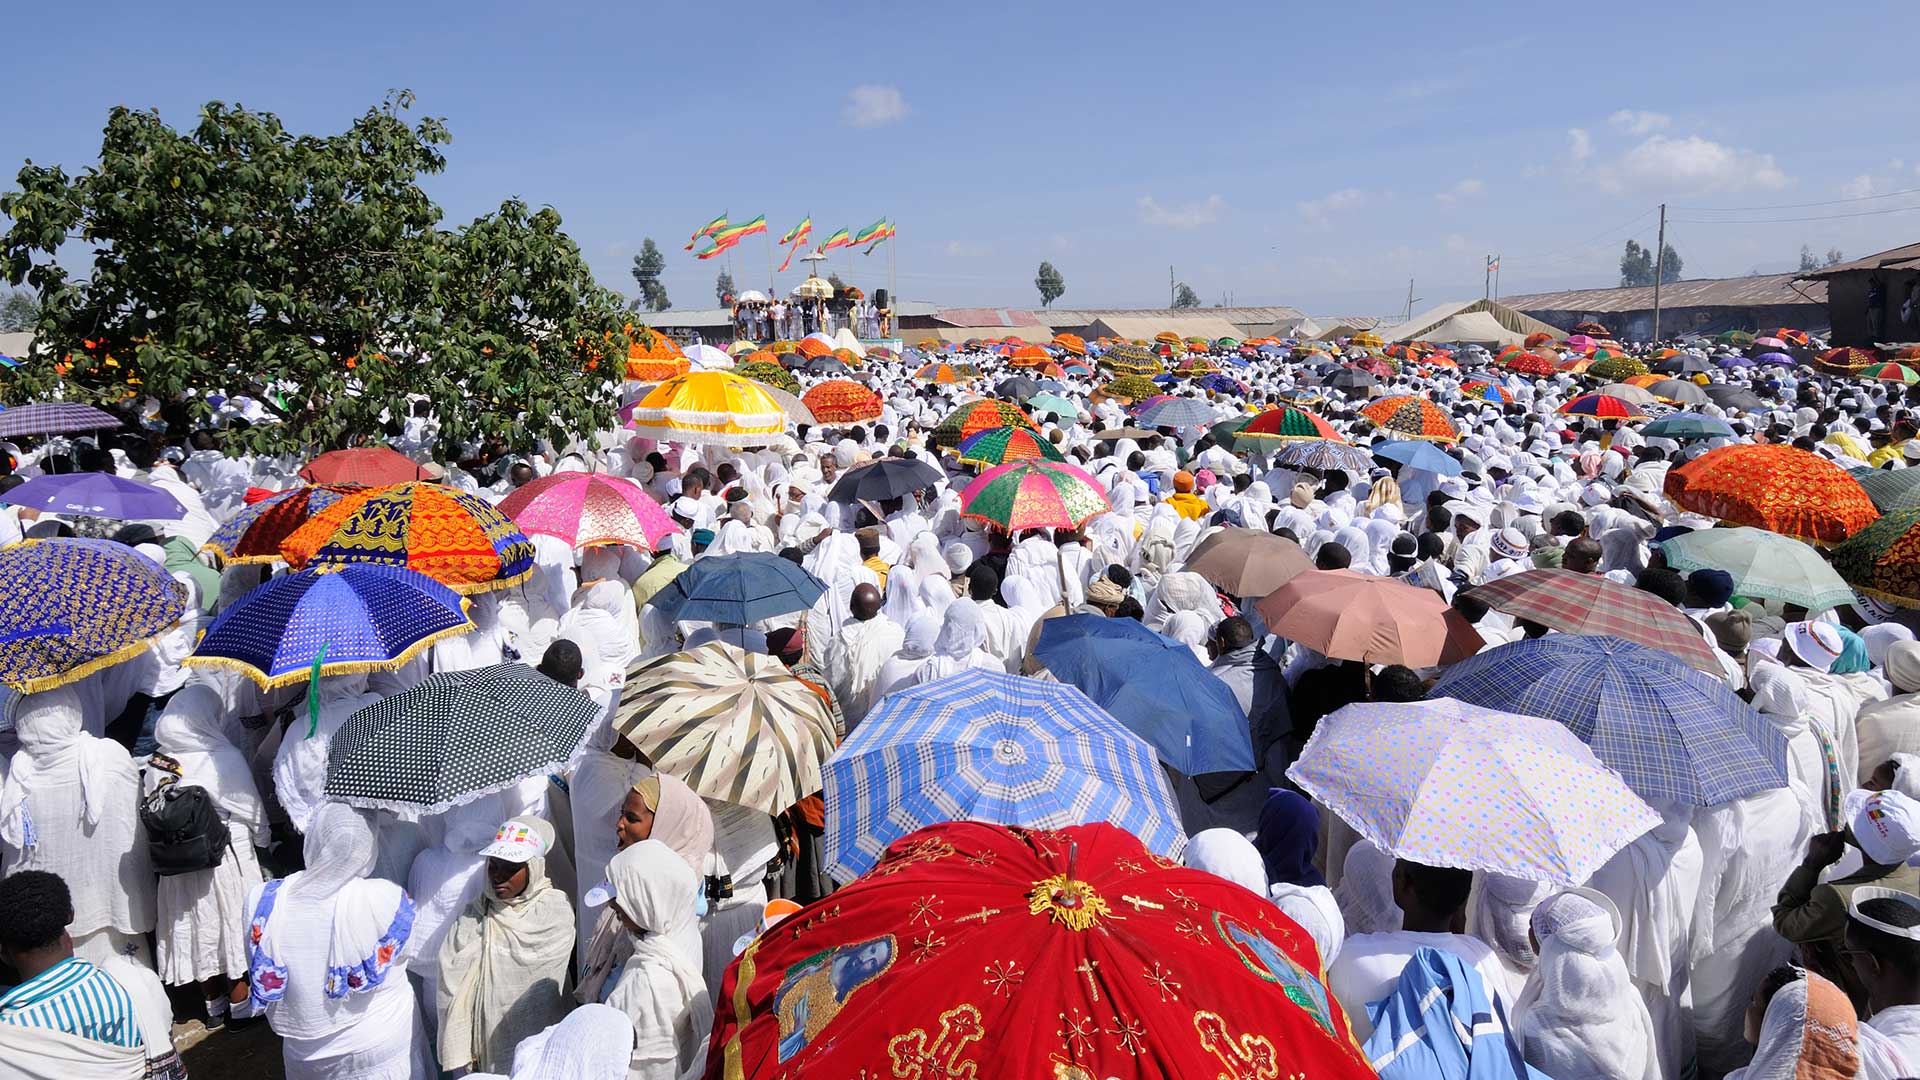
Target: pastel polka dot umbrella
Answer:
pixel 1411 418
pixel 1450 784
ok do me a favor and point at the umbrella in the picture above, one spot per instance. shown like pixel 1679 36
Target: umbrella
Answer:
pixel 1029 356
pixel 1688 425
pixel 1025 495
pixel 988 746
pixel 796 411
pixel 101 495
pixel 1594 605
pixel 1737 338
pixel 1380 620
pixel 1018 388
pixel 1683 364
pixel 1423 456
pixel 1223 384
pixel 1411 418
pixel 369 466
pixel 1890 489
pixel 1890 372
pixel 1129 388
pixel 1850 358
pixel 1446 783
pixel 1072 343
pixel 826 365
pixel 997 446
pixel 1533 365
pixel 1176 412
pixel 1188 715
pixel 459 540
pixel 769 373
pixel 1116 434
pixel 1248 562
pixel 1285 424
pixel 1351 380
pixel 1486 391
pixel 975 417
pixel 1325 454
pixel 1601 407
pixel 1765 565
pixel 740 588
pixel 1130 359
pixel 454 737
pixel 255 532
pixel 75 607
pixel 1365 339
pixel 53 418
pixel 887 478
pixel 710 408
pixel 589 509
pixel 735 725
pixel 939 373
pixel 945 962
pixel 1591 329
pixel 1669 731
pixel 348 618
pixel 1780 358
pixel 1636 392
pixel 1053 403
pixel 841 401
pixel 1774 487
pixel 1734 398
pixel 1879 560
pixel 705 357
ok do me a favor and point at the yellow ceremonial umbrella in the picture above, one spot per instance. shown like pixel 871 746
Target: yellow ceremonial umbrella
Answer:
pixel 708 408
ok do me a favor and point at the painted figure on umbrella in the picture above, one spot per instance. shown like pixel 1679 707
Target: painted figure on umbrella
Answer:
pixel 815 990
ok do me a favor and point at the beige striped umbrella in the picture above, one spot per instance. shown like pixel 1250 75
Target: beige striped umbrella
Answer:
pixel 734 725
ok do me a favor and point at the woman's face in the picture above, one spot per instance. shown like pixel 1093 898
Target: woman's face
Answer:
pixel 636 821
pixel 506 879
pixel 1883 777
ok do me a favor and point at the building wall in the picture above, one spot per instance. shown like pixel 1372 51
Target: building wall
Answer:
pixel 1674 322
pixel 1847 308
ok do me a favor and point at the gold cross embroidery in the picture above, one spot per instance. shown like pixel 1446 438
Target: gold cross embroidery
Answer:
pixel 914 1059
pixel 1088 968
pixel 1251 1057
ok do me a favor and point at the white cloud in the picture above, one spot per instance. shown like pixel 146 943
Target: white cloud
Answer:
pixel 1317 211
pixel 1692 164
pixel 961 249
pixel 873 105
pixel 1579 144
pixel 1186 216
pixel 1465 189
pixel 1859 187
pixel 1639 123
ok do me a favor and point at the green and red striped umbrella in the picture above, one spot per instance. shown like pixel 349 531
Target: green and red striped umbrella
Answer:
pixel 1602 407
pixel 1894 373
pixel 977 416
pixel 1034 495
pixel 1000 445
pixel 1287 424
pixel 1411 418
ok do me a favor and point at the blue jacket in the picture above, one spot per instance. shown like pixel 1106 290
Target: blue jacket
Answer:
pixel 1439 1023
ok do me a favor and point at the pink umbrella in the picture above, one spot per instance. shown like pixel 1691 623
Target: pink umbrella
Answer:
pixel 1769 343
pixel 1581 343
pixel 1349 616
pixel 589 509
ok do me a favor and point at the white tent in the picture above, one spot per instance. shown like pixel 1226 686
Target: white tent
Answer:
pixel 843 339
pixel 1474 327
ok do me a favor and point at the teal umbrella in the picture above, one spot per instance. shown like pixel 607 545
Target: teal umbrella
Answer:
pixel 1053 403
pixel 1765 565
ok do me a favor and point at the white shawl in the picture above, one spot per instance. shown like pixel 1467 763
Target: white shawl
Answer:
pixel 1579 1017
pixel 661 988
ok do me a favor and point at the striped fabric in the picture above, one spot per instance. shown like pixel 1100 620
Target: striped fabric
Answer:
pixel 75 997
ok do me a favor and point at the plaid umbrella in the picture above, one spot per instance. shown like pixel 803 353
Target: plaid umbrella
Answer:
pixel 1591 604
pixel 75 607
pixel 53 418
pixel 1286 424
pixel 997 446
pixel 1380 620
pixel 1411 418
pixel 588 510
pixel 96 495
pixel 736 726
pixel 740 588
pixel 1034 495
pixel 987 746
pixel 1890 489
pixel 1764 565
pixel 370 466
pixel 1176 412
pixel 454 737
pixel 1883 559
pixel 1601 407
pixel 1669 731
pixel 346 618
pixel 1774 487
pixel 1446 783
pixel 1325 454
pixel 458 539
pixel 975 417
pixel 254 533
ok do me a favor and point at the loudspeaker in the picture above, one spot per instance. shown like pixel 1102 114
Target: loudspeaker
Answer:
pixel 880 298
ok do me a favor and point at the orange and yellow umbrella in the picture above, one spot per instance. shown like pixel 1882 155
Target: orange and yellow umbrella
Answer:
pixel 710 408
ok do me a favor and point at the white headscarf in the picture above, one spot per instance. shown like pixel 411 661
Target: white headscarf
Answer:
pixel 1799 1042
pixel 1579 1017
pixel 1228 854
pixel 1317 912
pixel 959 645
pixel 1500 913
pixel 1365 892
pixel 661 988
pixel 1182 591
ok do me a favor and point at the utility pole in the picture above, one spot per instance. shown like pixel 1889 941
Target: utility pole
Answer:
pixel 1170 294
pixel 1659 270
pixel 1486 281
pixel 1409 313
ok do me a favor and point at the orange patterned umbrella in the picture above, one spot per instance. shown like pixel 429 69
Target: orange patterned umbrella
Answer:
pixel 457 539
pixel 1029 356
pixel 841 401
pixel 1411 418
pixel 1774 487
pixel 652 356
pixel 813 347
pixel 1073 343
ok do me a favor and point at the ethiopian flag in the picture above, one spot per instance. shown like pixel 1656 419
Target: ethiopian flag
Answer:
pixel 871 233
pixel 885 233
pixel 839 239
pixel 799 233
pixel 733 234
pixel 714 246
pixel 708 229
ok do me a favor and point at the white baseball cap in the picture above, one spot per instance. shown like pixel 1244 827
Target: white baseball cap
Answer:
pixel 515 843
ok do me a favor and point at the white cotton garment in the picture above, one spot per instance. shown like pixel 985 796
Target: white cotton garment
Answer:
pixel 1579 1016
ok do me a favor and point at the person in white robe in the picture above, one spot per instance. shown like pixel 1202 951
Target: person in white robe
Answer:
pixel 1883 940
pixel 594 1042
pixel 853 654
pixel 1579 1016
pixel 445 876
pixel 1780 697
pixel 300 762
pixel 604 771
pixel 1655 884
pixel 659 986
pixel 958 646
pixel 71 806
pixel 916 645
pixel 1228 854
pixel 1890 727
pixel 1500 914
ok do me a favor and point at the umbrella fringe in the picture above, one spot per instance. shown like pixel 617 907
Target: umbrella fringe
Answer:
pixel 413 811
pixel 72 675
pixel 469 588
pixel 348 667
pixel 224 559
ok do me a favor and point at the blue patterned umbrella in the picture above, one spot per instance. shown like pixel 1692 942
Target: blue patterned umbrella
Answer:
pixel 1670 731
pixel 1176 412
pixel 1688 425
pixel 739 589
pixel 1417 455
pixel 334 619
pixel 73 607
pixel 987 746
pixel 1324 454
pixel 1192 718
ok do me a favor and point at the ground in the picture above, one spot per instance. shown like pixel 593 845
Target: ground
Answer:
pixel 248 1052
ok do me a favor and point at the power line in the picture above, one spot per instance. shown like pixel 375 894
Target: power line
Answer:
pixel 1783 221
pixel 1796 206
pixel 1587 243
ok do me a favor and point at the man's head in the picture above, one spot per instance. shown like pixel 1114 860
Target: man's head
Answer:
pixel 1583 556
pixel 1233 634
pixel 983 584
pixel 1397 683
pixel 38 908
pixel 695 481
pixel 1568 523
pixel 869 543
pixel 1332 556
pixel 1883 941
pixel 1432 898
pixel 562 663
pixel 865 603
pixel 520 474
pixel 1666 584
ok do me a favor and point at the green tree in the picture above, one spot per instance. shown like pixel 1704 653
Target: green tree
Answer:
pixel 647 268
pixel 1807 260
pixel 1185 297
pixel 1636 266
pixel 19 311
pixel 239 254
pixel 1051 285
pixel 833 279
pixel 1670 265
pixel 723 288
pixel 1834 258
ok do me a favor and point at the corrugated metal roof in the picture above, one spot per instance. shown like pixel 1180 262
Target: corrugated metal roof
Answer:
pixel 1900 258
pixel 1765 290
pixel 1086 316
pixel 678 318
pixel 1358 322
pixel 989 317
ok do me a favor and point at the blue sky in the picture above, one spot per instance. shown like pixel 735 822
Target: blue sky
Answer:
pixel 1311 156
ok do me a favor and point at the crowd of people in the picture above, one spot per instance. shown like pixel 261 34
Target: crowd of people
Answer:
pixel 570 926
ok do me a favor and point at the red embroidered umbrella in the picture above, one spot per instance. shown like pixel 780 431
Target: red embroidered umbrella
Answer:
pixel 369 466
pixel 1849 358
pixel 254 533
pixel 1287 424
pixel 1774 487
pixel 975 951
pixel 1034 494
pixel 1411 418
pixel 841 401
pixel 1532 364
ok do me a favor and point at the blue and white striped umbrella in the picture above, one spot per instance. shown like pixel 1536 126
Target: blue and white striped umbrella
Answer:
pixel 1669 731
pixel 1176 412
pixel 988 746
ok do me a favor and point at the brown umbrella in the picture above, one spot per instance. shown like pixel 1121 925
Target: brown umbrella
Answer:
pixel 1576 603
pixel 1112 434
pixel 1349 616
pixel 1248 562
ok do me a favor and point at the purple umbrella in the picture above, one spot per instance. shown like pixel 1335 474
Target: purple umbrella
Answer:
pixel 1737 361
pixel 1776 358
pixel 52 418
pixel 96 495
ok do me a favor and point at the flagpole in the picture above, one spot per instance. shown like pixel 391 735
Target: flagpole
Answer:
pixel 769 237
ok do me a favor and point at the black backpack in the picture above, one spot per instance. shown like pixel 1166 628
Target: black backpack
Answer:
pixel 184 830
